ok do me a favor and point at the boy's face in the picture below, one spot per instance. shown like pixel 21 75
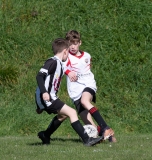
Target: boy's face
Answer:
pixel 74 47
pixel 65 55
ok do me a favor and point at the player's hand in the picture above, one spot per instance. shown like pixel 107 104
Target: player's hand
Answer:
pixel 46 96
pixel 73 76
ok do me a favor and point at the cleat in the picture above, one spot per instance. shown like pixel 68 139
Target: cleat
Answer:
pixel 45 140
pixel 108 133
pixel 112 139
pixel 92 141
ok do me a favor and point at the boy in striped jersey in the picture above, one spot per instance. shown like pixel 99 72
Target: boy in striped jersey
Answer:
pixel 49 79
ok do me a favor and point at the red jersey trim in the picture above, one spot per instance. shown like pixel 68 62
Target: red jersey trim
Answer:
pixel 67 72
pixel 82 53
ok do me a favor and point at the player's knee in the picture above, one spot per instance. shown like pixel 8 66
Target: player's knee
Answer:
pixel 83 101
pixel 73 112
pixel 61 117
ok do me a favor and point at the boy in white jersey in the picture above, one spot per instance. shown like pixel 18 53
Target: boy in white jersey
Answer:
pixel 49 79
pixel 82 85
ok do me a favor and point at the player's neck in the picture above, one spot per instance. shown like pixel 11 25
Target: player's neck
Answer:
pixel 59 56
pixel 76 54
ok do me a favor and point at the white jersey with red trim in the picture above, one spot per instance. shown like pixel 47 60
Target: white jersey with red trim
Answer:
pixel 81 66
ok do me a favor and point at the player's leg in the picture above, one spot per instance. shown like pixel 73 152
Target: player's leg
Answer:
pixel 86 102
pixel 87 118
pixel 53 126
pixel 83 113
pixel 55 123
pixel 77 126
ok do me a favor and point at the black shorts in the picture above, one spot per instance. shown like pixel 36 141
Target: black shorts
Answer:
pixel 54 107
pixel 78 104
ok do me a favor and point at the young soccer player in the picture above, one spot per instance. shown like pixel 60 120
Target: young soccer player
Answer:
pixel 49 79
pixel 82 85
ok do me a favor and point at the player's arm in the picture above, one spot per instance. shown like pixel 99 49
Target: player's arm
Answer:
pixel 72 76
pixel 48 68
pixel 41 80
pixel 67 70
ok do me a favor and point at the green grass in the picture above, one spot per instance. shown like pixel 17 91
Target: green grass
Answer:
pixel 117 34
pixel 128 147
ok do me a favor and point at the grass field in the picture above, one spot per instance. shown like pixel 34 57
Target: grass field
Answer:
pixel 128 147
pixel 118 36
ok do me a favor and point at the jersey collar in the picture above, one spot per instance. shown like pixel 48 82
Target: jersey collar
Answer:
pixel 58 58
pixel 82 53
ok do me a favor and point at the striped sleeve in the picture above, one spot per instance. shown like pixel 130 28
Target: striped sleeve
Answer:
pixel 48 68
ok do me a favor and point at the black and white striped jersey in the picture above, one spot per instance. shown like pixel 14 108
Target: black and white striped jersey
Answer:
pixel 49 77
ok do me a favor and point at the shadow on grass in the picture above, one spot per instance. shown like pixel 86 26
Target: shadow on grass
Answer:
pixel 56 139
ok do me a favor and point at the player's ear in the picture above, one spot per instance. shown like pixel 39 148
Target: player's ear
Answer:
pixel 65 51
pixel 80 42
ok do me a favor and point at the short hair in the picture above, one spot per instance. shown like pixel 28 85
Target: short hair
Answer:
pixel 59 45
pixel 73 36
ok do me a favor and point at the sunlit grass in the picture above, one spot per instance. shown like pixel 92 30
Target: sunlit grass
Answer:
pixel 132 147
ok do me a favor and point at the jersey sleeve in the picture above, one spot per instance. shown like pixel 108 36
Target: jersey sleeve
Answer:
pixel 48 68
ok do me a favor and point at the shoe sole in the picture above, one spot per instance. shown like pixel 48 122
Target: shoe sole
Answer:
pixel 94 142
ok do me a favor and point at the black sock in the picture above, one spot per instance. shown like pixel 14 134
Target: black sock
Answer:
pixel 55 123
pixel 77 126
pixel 98 118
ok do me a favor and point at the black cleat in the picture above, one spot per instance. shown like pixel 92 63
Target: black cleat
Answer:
pixel 45 140
pixel 92 141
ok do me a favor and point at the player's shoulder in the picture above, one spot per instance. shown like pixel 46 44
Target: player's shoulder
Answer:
pixel 51 61
pixel 86 53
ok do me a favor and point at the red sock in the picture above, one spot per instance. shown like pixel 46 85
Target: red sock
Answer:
pixel 99 129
